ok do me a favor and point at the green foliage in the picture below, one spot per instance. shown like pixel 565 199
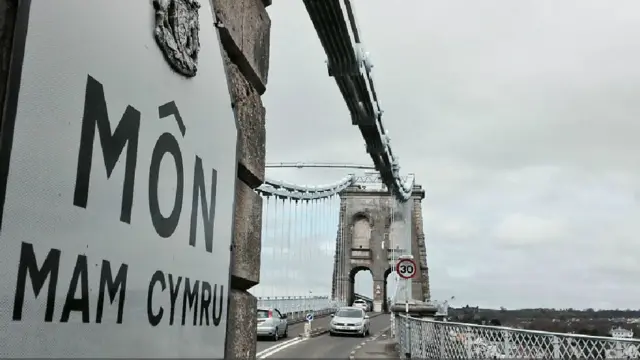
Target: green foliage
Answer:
pixel 587 322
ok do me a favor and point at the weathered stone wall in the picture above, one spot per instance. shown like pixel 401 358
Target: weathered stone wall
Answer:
pixel 245 38
pixel 420 288
pixel 339 276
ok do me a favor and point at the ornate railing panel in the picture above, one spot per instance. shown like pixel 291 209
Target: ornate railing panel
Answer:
pixel 430 339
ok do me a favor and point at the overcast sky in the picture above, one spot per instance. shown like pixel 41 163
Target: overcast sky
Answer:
pixel 519 118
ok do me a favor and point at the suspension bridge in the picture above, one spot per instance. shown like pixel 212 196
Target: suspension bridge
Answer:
pixel 317 237
pixel 107 252
pixel 333 232
pixel 316 224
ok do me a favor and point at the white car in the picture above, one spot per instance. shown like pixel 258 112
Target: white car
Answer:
pixel 349 320
pixel 361 304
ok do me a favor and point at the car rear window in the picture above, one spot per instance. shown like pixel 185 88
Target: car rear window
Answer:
pixel 263 314
pixel 350 313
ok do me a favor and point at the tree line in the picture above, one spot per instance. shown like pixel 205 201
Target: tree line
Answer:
pixel 581 321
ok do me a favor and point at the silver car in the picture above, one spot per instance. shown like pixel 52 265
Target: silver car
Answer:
pixel 349 320
pixel 272 324
pixel 361 304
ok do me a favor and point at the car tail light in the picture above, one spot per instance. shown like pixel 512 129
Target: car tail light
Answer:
pixel 270 314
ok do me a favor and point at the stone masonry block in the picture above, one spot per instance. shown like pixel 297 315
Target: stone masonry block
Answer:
pixel 242 325
pixel 250 114
pixel 245 35
pixel 247 242
pixel 256 40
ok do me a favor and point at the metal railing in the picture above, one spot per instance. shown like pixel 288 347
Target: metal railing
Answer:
pixel 296 307
pixel 430 339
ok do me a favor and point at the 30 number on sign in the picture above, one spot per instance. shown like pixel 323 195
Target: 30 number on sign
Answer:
pixel 406 268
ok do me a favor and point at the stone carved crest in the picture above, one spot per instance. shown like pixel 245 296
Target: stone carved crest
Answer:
pixel 177 33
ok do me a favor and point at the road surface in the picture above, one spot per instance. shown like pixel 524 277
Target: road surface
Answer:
pixel 321 347
pixel 294 330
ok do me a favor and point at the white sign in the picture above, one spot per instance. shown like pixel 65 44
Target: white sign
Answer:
pixel 406 268
pixel 117 209
pixel 309 317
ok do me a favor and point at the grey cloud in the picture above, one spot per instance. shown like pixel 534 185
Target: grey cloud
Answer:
pixel 510 113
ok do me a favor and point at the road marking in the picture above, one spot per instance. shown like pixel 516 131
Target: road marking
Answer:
pixel 274 349
pixel 275 346
pixel 380 333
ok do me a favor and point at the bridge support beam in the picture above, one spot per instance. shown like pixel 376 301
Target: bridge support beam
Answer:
pixel 417 309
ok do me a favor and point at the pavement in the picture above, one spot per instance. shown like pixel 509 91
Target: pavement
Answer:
pixel 379 346
pixel 322 346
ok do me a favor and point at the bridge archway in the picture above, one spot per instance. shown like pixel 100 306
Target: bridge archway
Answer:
pixel 361 232
pixel 389 287
pixel 361 274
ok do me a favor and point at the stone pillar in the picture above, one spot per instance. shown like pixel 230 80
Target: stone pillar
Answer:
pixel 245 37
pixel 341 267
pixel 420 284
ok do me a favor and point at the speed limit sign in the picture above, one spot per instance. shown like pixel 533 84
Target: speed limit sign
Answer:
pixel 406 268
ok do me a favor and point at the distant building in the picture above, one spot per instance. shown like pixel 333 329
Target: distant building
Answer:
pixel 620 333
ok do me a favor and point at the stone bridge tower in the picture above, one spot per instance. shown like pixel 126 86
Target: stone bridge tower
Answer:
pixel 365 233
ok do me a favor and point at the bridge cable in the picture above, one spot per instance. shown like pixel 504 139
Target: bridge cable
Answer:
pixel 326 238
pixel 264 290
pixel 303 253
pixel 313 223
pixel 300 248
pixel 292 250
pixel 265 232
pixel 319 248
pixel 340 273
pixel 274 245
pixel 344 266
pixel 335 236
pixel 292 239
pixel 288 276
pixel 314 228
pixel 314 234
pixel 271 246
pixel 319 221
pixel 350 66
